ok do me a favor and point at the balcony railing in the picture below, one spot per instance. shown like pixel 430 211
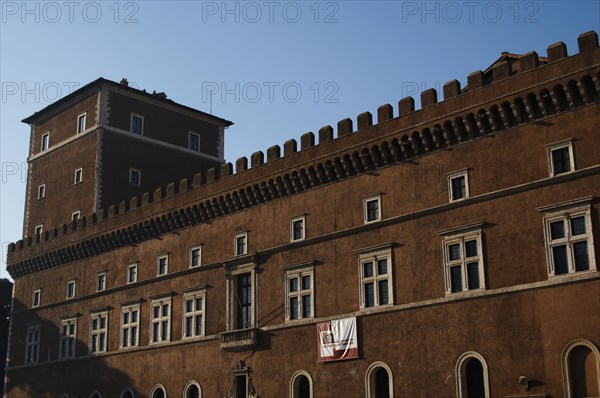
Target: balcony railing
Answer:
pixel 239 340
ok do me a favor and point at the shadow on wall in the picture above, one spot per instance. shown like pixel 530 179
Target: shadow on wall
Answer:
pixel 84 376
pixel 6 287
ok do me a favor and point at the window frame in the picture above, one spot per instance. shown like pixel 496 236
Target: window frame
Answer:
pixel 189 385
pixel 132 277
pixel 299 272
pixel 244 251
pixel 156 388
pixel 232 300
pixel 37 298
pixel 41 194
pixel 166 265
pixel 33 344
pixel 293 221
pixel 459 373
pixel 45 142
pixel 70 338
pixel 131 117
pixel 375 256
pixel 75 216
pixel 133 170
pixel 567 365
pixel 157 336
pixel 71 289
pixel 556 146
pixel 566 212
pixel 194 295
pixel 370 382
pixel 464 173
pixel 190 134
pixel 101 333
pixel 191 256
pixel 460 238
pixel 80 128
pixel 101 281
pixel 293 383
pixel 78 176
pixel 366 201
pixel 131 326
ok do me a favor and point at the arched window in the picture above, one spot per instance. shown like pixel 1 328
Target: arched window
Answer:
pixel 95 394
pixel 158 391
pixel 192 390
pixel 472 376
pixel 127 393
pixel 379 382
pixel 581 369
pixel 301 385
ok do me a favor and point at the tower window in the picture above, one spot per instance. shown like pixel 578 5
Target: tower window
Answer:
pixel 81 123
pixel 137 124
pixel 45 143
pixel 194 141
pixel 135 177
pixel 78 176
pixel 42 191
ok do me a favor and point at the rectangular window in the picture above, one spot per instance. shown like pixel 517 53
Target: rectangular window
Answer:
pixel 32 341
pixel 81 123
pixel 244 304
pixel 75 215
pixel 37 298
pixel 297 228
pixel 78 177
pixel 195 256
pixel 71 289
pixel 299 293
pixel 241 294
pixel 375 275
pixel 45 143
pixel 241 244
pixel 160 316
pixel 135 177
pixel 137 124
pixel 463 262
pixel 194 141
pixel 101 282
pixel 569 240
pixel 458 185
pixel 372 208
pixel 162 265
pixel 132 273
pixel 68 336
pixel 98 332
pixel 130 322
pixel 42 191
pixel 39 229
pixel 193 314
pixel 560 157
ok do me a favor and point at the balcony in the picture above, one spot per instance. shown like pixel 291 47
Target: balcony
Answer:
pixel 239 340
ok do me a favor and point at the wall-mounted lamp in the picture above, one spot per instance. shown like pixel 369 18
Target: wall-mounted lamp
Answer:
pixel 524 383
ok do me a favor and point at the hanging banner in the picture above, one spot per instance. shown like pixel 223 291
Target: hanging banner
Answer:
pixel 337 340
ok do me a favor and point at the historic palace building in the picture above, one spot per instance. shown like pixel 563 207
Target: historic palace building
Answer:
pixel 446 251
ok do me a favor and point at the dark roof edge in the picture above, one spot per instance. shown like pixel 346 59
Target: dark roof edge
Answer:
pixel 98 83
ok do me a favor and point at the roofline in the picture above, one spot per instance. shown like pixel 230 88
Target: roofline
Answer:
pixel 102 81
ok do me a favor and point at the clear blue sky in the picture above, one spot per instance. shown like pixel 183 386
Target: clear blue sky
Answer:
pixel 281 68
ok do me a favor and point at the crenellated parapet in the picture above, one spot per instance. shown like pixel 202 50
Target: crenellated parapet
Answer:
pixel 493 101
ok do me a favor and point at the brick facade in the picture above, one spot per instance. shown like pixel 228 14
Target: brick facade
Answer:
pixel 458 206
